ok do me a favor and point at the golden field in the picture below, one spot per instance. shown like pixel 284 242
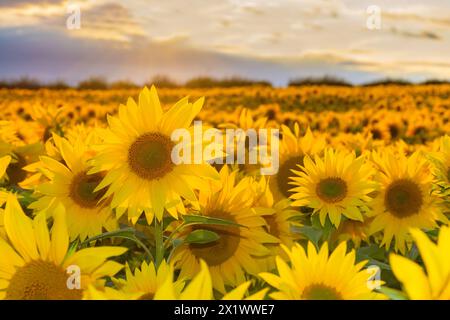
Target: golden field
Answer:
pixel 358 209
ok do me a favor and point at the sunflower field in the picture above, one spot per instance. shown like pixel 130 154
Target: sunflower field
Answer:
pixel 93 207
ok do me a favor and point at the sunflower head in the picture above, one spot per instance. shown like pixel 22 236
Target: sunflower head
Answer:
pixel 339 184
pixel 406 198
pixel 239 241
pixel 432 284
pixel 68 183
pixel 293 149
pixel 136 153
pixel 318 275
pixel 38 265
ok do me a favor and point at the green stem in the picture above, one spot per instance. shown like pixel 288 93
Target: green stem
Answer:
pixel 167 242
pixel 159 242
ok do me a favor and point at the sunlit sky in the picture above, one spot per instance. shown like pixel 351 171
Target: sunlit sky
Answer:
pixel 276 40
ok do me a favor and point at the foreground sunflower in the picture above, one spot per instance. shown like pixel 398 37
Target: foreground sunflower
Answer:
pixel 2 224
pixel 4 163
pixel 201 288
pixel 405 199
pixel 293 149
pixel 442 164
pixel 160 285
pixel 434 284
pixel 281 219
pixel 35 266
pixel 20 157
pixel 352 230
pixel 233 254
pixel 146 280
pixel 69 184
pixel 320 276
pixel 335 186
pixel 136 153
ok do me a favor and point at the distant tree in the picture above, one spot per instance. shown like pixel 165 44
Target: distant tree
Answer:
pixel 123 84
pixel 435 81
pixel 209 82
pixel 58 85
pixel 319 81
pixel 93 83
pixel 22 83
pixel 387 82
pixel 162 81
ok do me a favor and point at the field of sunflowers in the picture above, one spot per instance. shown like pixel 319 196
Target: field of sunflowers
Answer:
pixel 92 206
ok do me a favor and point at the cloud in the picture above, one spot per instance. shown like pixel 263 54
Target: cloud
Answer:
pixel 443 22
pixel 52 56
pixel 108 21
pixel 423 34
pixel 19 3
pixel 271 39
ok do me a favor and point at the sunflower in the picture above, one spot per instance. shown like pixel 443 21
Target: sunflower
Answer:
pixel 20 157
pixel 4 163
pixel 136 153
pixel 148 284
pixel 201 288
pixel 233 253
pixel 293 149
pixel 352 230
pixel 246 121
pixel 320 276
pixel 442 164
pixel 35 266
pixel 70 184
pixel 107 293
pixel 2 224
pixel 405 199
pixel 379 132
pixel 146 280
pixel 434 284
pixel 338 185
pixel 281 220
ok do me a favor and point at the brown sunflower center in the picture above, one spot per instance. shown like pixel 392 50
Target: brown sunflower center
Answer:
pixel 41 280
pixel 15 170
pixel 217 252
pixel 394 130
pixel 149 156
pixel 273 225
pixel 403 198
pixel 82 189
pixel 448 174
pixel 147 296
pixel 285 172
pixel 320 292
pixel 331 190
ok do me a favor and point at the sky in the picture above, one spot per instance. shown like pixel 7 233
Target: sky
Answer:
pixel 275 40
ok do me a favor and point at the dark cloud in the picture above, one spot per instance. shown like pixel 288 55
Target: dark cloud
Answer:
pixel 422 34
pixel 102 21
pixel 18 3
pixel 49 56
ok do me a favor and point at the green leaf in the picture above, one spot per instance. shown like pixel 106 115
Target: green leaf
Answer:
pixel 201 236
pixel 197 219
pixel 315 221
pixel 372 253
pixel 121 233
pixel 127 233
pixel 72 248
pixel 393 294
pixel 311 233
pixel 327 229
